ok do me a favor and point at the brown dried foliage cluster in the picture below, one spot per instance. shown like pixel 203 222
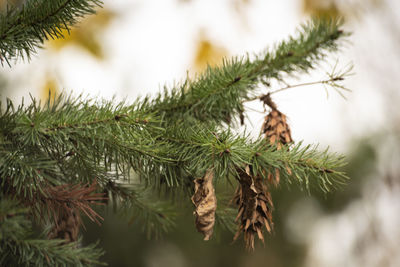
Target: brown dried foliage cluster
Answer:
pixel 275 127
pixel 255 207
pixel 276 131
pixel 205 202
pixel 252 197
pixel 64 204
pixel 66 227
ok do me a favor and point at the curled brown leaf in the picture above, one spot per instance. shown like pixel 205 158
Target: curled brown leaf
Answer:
pixel 205 202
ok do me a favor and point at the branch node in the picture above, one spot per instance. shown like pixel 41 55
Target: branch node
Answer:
pixel 266 99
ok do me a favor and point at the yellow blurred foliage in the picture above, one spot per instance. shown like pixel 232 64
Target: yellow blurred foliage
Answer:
pixel 49 90
pixel 331 8
pixel 321 8
pixel 86 34
pixel 208 53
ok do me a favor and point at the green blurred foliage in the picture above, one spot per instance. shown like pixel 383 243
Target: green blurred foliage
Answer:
pixel 362 165
pixel 4 3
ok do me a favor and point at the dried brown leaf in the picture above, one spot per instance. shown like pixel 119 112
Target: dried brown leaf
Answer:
pixel 254 207
pixel 205 202
pixel 277 132
pixel 63 206
pixel 67 227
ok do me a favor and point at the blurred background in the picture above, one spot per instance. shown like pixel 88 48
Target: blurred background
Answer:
pixel 132 48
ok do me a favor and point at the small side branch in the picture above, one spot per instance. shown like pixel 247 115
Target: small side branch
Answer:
pixel 334 77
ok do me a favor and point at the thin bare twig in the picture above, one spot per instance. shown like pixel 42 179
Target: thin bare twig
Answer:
pixel 331 80
pixel 334 77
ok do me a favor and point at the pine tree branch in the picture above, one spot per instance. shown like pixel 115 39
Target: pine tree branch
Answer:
pixel 23 173
pixel 79 136
pixel 217 94
pixel 41 252
pixel 18 247
pixel 162 142
pixel 224 151
pixel 104 147
pixel 24 29
pixel 65 199
pixel 155 217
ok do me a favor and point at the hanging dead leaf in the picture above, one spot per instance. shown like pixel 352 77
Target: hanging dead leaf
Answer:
pixel 254 207
pixel 63 206
pixel 205 202
pixel 66 227
pixel 277 132
pixel 275 127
